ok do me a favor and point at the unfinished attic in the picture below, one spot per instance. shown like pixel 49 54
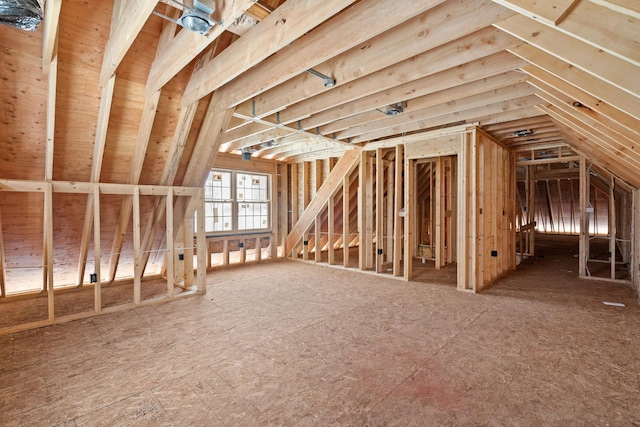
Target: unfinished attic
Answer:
pixel 146 147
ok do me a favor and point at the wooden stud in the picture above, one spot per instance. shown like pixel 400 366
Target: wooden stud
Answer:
pixel 346 218
pixel 409 205
pixel 331 224
pixel 137 251
pixel 123 33
pixel 96 250
pixel 584 231
pixel 398 201
pixel 202 254
pixel 170 242
pixel 48 259
pixel 379 183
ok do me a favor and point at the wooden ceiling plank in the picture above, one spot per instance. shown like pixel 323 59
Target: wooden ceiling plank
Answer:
pixel 347 32
pixel 626 7
pixel 607 29
pixel 480 44
pixel 595 61
pixel 546 81
pixel 580 79
pixel 514 125
pixel 626 163
pixel 257 139
pixel 596 128
pixel 50 36
pixel 251 129
pixel 552 12
pixel 186 45
pixel 439 25
pixel 585 146
pixel 3 273
pixel 544 128
pixel 287 23
pixel 342 116
pixel 442 109
pixel 509 115
pixel 452 117
pixel 463 97
pixel 125 30
pixel 606 124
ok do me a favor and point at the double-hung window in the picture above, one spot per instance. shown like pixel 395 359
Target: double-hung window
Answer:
pixel 237 201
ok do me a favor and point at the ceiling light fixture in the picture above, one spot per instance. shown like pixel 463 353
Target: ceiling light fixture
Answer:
pixel 196 18
pixel 246 153
pixel 328 81
pixel 524 132
pixel 394 109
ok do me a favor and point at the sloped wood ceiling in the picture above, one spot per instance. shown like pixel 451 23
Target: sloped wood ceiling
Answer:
pixel 109 92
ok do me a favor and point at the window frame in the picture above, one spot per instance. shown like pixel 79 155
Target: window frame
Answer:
pixel 235 203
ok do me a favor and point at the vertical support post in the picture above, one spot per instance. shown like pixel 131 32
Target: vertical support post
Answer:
pixel 409 204
pixel 3 274
pixel 258 246
pixel 203 253
pixel 295 206
pixel 461 219
pixel 531 209
pixel 379 257
pixel 48 233
pixel 346 210
pixel 306 184
pixel 137 251
pixel 438 242
pixel 398 201
pixel 96 248
pixel 612 227
pixel 305 246
pixel 187 252
pixel 276 186
pixel 284 203
pixel 331 223
pixel 362 221
pixel 170 272
pixel 225 252
pixel 318 238
pixel 389 214
pixel 584 226
pixel 368 232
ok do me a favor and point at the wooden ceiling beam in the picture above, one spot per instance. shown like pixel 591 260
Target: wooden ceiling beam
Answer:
pixel 256 139
pixel 353 27
pixel 186 45
pixel 593 24
pixel 605 124
pixel 124 32
pixel 526 112
pixel 436 114
pixel 549 83
pixel 286 24
pixel 595 61
pixel 606 151
pixel 586 82
pixel 598 128
pixel 584 146
pixel 343 116
pixel 551 12
pixel 50 36
pixel 428 30
pixel 470 115
pixel 463 97
pixel 469 48
pixel 514 125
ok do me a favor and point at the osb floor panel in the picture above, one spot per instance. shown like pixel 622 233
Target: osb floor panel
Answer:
pixel 292 343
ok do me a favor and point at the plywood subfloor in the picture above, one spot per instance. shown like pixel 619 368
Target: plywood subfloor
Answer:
pixel 292 343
